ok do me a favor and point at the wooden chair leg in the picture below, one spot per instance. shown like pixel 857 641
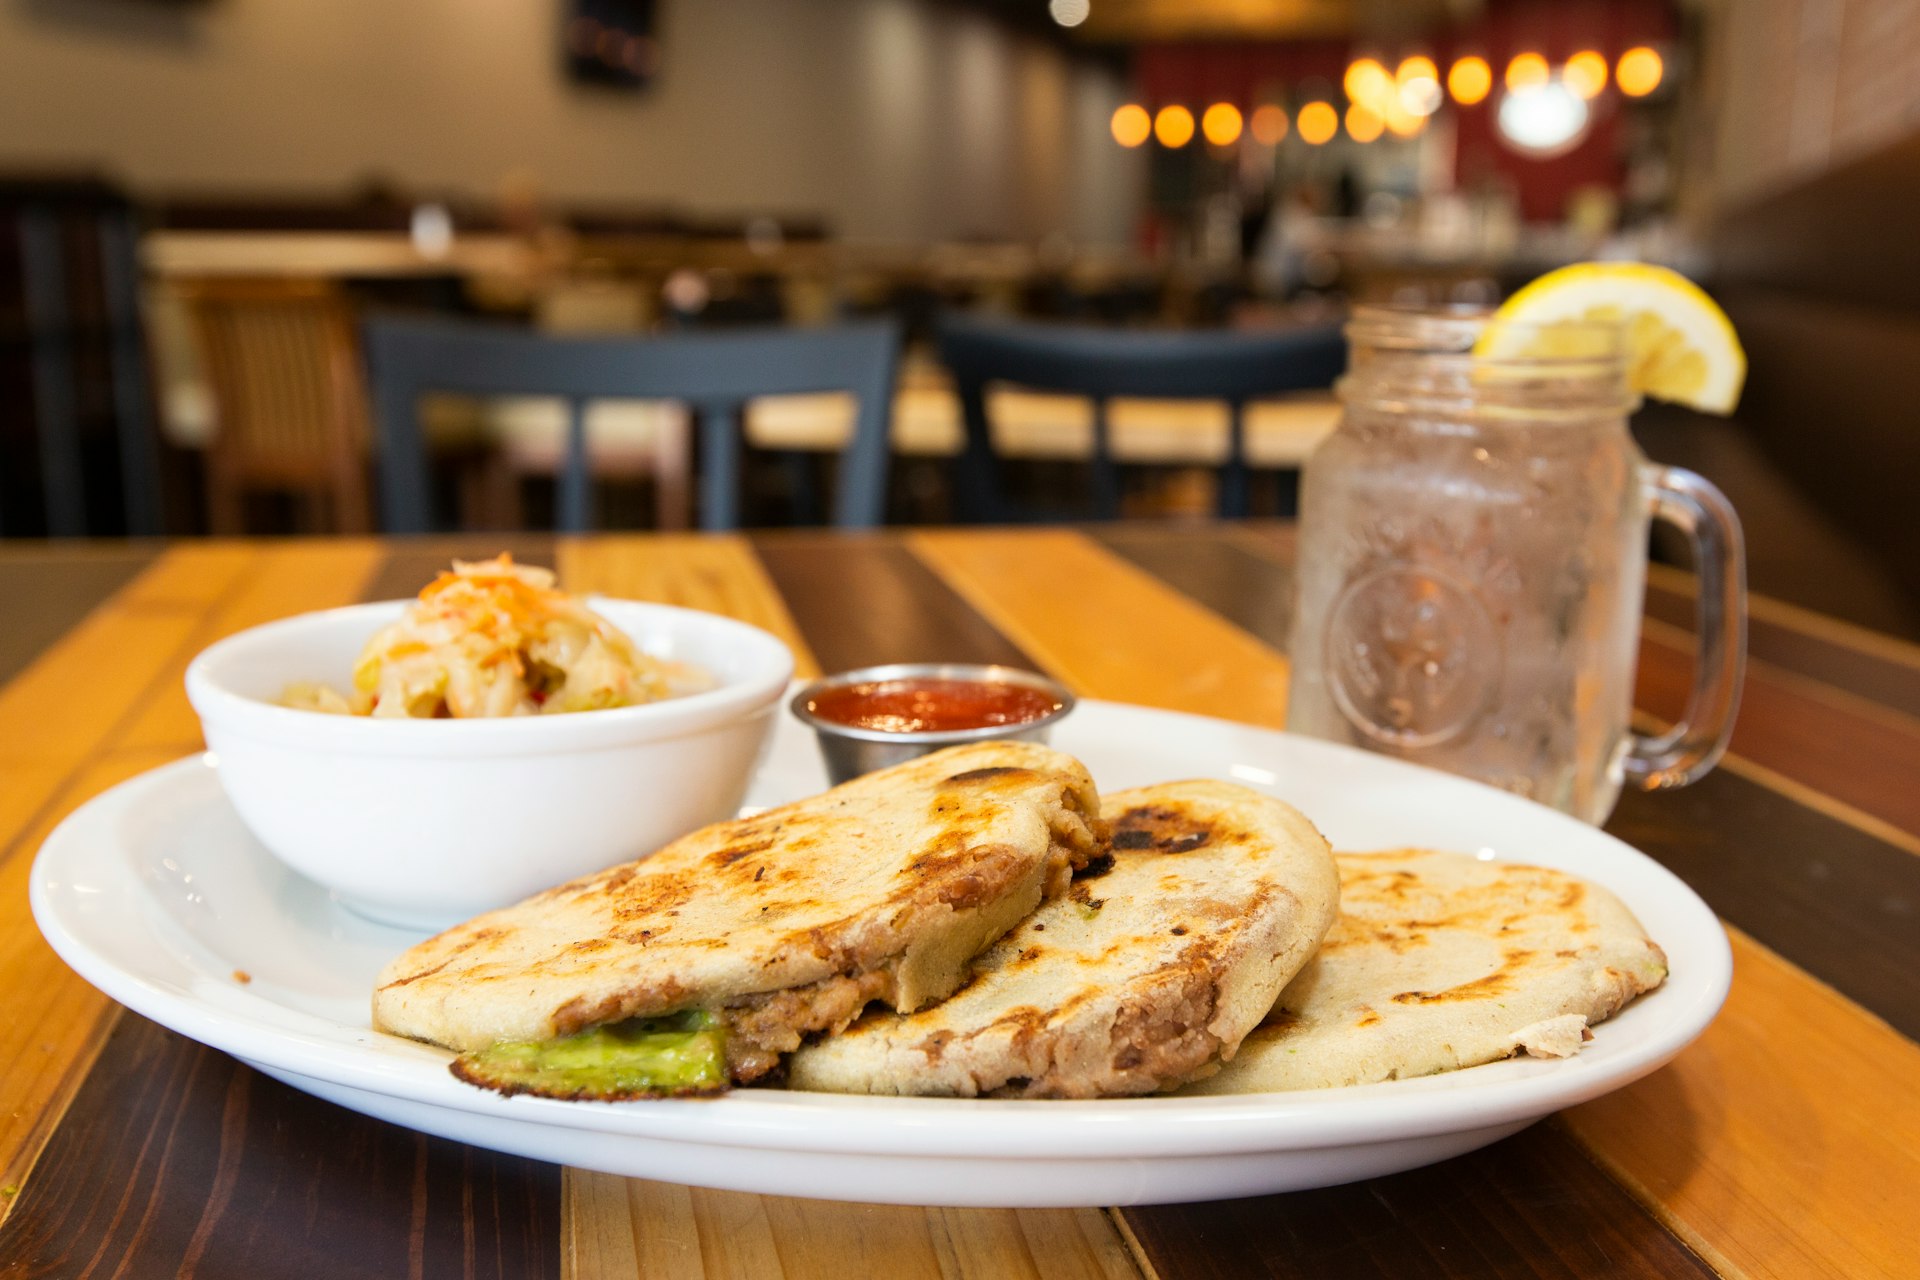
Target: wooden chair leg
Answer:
pixel 352 505
pixel 672 475
pixel 490 492
pixel 226 512
pixel 473 495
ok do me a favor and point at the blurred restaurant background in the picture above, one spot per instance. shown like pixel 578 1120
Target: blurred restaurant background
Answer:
pixel 226 225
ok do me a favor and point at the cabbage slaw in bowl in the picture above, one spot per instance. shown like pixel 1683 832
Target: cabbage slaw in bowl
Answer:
pixel 492 639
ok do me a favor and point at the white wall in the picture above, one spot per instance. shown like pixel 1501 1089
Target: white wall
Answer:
pixel 896 119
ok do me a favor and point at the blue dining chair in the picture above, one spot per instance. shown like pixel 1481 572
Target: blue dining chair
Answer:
pixel 714 373
pixel 1104 363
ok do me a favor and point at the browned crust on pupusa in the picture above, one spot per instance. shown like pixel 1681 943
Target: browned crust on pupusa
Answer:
pixel 892 872
pixel 1142 977
pixel 1441 961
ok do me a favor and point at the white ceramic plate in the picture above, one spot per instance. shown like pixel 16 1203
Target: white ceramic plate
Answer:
pixel 157 895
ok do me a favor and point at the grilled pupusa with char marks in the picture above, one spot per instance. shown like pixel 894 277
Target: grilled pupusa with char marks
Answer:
pixel 1145 975
pixel 703 964
pixel 1440 961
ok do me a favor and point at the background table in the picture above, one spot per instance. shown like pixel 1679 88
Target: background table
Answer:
pixel 1785 1142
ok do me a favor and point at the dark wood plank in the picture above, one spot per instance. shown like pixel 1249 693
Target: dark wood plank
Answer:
pixel 47 593
pixel 1838 746
pixel 1532 1206
pixel 176 1160
pixel 1503 1205
pixel 1834 900
pixel 861 600
pixel 1879 677
pixel 1586 1219
pixel 304 1166
pixel 1251 591
pixel 414 562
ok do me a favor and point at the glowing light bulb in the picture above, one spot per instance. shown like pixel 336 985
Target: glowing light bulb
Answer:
pixel 1418 67
pixel 1131 125
pixel 1221 124
pixel 1585 73
pixel 1363 124
pixel 1368 82
pixel 1173 127
pixel 1527 71
pixel 1318 122
pixel 1070 13
pixel 1638 72
pixel 1470 80
pixel 1268 125
pixel 1401 122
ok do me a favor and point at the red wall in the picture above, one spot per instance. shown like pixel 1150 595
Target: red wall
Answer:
pixel 1197 74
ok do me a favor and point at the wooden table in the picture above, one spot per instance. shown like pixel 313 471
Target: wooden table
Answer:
pixel 334 254
pixel 1786 1142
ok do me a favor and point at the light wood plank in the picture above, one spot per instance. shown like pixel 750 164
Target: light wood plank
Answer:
pixel 623 1227
pixel 633 1226
pixel 60 708
pixel 617 1227
pixel 55 718
pixel 98 708
pixel 26 790
pixel 593 1223
pixel 55 1021
pixel 64 706
pixel 1076 1242
pixel 1748 1145
pixel 715 572
pixel 822 1239
pixel 736 1234
pixel 1068 602
pixel 1786 1142
pixel 281 579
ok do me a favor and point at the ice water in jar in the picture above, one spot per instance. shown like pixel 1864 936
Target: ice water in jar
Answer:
pixel 1472 561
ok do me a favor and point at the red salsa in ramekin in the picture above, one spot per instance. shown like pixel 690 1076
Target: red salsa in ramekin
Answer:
pixel 879 716
pixel 932 704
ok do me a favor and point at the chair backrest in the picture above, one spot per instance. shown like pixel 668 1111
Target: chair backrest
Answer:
pixel 77 462
pixel 1104 363
pixel 713 373
pixel 282 360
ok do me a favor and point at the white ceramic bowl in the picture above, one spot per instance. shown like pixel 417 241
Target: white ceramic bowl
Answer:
pixel 424 823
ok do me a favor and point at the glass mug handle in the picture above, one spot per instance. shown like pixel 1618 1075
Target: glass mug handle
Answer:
pixel 1691 747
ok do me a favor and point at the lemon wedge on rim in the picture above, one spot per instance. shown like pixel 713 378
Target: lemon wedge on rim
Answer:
pixel 1680 345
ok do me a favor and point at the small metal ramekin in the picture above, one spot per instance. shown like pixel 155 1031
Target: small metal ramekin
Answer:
pixel 850 751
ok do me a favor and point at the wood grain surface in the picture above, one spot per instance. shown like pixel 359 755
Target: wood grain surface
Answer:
pixel 1838 742
pixel 1786 1142
pixel 1748 851
pixel 1531 1206
pixel 220 1171
pixel 48 591
pixel 631 1226
pixel 102 705
pixel 1883 669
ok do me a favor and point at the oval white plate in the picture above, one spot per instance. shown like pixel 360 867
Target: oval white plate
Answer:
pixel 156 894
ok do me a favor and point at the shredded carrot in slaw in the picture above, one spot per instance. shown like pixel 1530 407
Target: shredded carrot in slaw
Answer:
pixel 493 638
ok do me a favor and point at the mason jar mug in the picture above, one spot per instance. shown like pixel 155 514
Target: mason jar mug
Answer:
pixel 1472 562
